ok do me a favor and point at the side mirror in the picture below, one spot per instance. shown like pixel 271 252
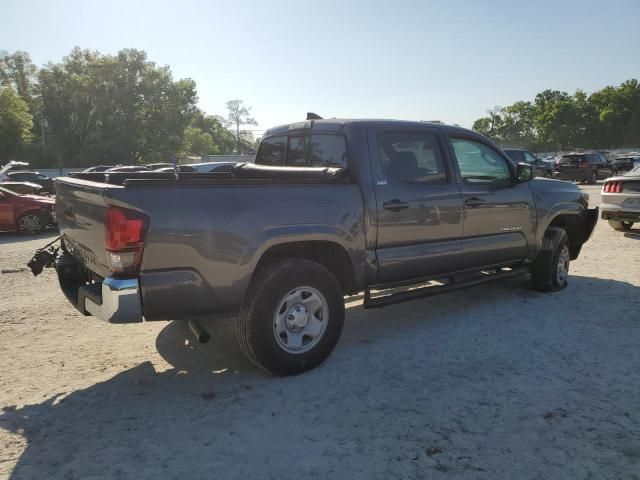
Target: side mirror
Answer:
pixel 524 172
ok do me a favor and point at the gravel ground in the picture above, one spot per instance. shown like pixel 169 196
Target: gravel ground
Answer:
pixel 494 382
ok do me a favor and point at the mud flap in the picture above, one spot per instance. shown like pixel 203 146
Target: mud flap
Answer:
pixel 590 222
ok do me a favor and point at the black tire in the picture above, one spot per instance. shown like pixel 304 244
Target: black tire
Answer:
pixel 620 226
pixel 31 223
pixel 593 178
pixel 256 324
pixel 544 270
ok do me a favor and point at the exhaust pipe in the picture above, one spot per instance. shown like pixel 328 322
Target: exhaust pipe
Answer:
pixel 200 333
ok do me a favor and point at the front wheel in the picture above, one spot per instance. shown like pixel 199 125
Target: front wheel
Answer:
pixel 550 269
pixel 292 317
pixel 32 222
pixel 620 226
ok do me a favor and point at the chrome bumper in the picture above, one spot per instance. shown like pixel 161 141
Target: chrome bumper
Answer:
pixel 120 301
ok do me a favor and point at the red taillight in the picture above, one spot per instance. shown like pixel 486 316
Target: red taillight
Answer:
pixel 613 187
pixel 125 232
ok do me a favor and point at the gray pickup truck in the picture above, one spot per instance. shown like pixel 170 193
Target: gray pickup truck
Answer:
pixel 397 210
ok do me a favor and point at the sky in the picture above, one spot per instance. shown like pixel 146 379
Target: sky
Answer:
pixel 412 60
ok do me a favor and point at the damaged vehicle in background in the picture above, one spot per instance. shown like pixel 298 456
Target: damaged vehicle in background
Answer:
pixel 25 213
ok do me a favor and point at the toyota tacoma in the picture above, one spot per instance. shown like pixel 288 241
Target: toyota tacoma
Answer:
pixel 398 210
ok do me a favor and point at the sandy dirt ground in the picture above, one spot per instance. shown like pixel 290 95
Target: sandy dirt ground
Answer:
pixel 494 382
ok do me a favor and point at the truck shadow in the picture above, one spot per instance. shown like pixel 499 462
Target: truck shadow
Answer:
pixel 15 237
pixel 213 414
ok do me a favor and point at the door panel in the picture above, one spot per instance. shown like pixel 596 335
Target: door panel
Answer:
pixel 419 208
pixel 7 221
pixel 499 215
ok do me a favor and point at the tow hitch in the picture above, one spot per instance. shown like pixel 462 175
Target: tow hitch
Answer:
pixel 44 257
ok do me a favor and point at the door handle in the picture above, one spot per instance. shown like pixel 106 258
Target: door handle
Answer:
pixel 395 205
pixel 474 202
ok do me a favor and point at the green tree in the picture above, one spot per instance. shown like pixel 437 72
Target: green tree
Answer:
pixel 18 72
pixel 490 125
pixel 142 111
pixel 120 109
pixel 15 123
pixel 556 120
pixel 237 116
pixel 198 142
pixel 69 105
pixel 222 138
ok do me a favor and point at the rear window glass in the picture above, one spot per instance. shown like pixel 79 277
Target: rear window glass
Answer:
pixel 327 151
pixel 317 150
pixel 271 151
pixel 571 158
pixel 297 153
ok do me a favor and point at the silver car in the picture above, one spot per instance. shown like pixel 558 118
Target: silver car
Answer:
pixel 621 200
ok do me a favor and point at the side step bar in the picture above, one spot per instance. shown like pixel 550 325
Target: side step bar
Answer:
pixel 429 291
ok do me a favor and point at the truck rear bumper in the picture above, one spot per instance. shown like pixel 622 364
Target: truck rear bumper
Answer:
pixel 113 300
pixel 120 301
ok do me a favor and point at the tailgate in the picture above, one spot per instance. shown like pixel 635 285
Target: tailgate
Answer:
pixel 80 211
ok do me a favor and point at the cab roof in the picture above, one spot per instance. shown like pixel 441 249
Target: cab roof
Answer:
pixel 338 124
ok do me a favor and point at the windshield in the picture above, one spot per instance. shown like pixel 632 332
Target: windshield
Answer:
pixel 8 192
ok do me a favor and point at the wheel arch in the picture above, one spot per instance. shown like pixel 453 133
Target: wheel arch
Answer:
pixel 327 253
pixel 574 225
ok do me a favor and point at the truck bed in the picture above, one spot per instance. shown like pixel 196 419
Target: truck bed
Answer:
pixel 206 232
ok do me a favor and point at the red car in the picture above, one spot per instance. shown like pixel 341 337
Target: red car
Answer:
pixel 25 213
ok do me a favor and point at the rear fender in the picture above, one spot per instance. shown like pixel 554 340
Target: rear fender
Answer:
pixel 271 237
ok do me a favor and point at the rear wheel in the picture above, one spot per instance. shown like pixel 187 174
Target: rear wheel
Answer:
pixel 620 226
pixel 550 270
pixel 292 317
pixel 32 222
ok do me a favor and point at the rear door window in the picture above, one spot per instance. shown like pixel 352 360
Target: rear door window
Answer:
pixel 271 151
pixel 297 151
pixel 412 157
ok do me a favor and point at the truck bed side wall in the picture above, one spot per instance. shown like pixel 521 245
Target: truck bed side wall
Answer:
pixel 204 243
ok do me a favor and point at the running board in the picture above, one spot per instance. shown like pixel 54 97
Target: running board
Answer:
pixel 429 291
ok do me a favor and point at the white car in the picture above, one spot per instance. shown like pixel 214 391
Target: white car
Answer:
pixel 621 200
